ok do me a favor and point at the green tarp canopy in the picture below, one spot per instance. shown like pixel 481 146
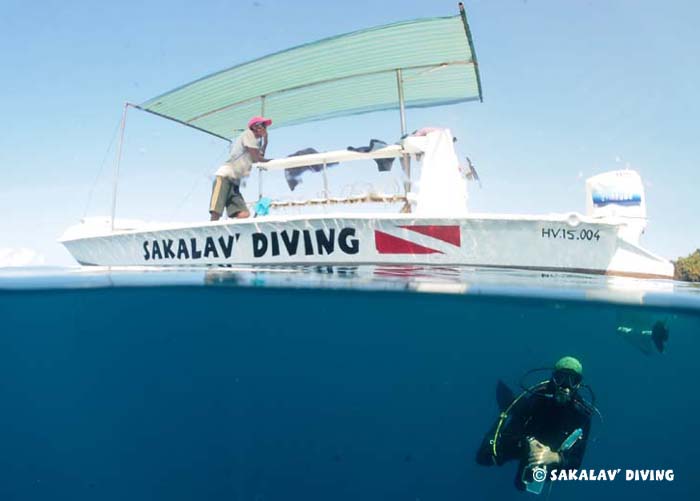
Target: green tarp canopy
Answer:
pixel 339 76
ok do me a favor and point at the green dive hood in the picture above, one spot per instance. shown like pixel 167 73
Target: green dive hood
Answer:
pixel 569 363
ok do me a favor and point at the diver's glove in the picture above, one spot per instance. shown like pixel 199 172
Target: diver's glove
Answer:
pixel 541 454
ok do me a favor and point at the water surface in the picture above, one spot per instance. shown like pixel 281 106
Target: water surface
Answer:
pixel 326 383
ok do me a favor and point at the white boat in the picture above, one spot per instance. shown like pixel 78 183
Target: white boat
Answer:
pixel 419 63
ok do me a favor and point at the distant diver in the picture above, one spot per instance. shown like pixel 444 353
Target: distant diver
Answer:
pixel 546 426
pixel 647 340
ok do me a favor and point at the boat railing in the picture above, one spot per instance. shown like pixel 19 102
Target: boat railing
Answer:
pixel 391 151
pixel 385 198
pixel 331 157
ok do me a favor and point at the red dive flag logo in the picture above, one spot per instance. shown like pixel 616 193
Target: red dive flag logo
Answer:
pixel 389 244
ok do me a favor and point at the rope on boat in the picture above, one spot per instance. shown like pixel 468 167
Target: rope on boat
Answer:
pixel 367 198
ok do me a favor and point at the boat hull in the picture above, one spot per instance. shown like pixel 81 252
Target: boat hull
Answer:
pixel 567 242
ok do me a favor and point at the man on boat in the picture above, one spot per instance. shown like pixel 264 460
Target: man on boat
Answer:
pixel 246 150
pixel 546 426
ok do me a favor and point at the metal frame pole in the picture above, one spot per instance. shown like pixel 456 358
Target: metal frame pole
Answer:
pixel 402 106
pixel 260 182
pixel 261 169
pixel 115 181
pixel 405 160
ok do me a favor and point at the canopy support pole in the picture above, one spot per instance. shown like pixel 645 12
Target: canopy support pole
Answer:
pixel 260 183
pixel 115 181
pixel 261 170
pixel 402 104
pixel 405 159
pixel 136 106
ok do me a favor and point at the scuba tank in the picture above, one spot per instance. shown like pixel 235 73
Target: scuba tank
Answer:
pixel 535 475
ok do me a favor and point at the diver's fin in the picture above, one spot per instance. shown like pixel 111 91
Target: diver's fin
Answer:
pixel 659 335
pixel 504 395
pixel 641 339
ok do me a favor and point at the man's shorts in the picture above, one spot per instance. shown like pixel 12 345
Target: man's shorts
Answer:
pixel 226 193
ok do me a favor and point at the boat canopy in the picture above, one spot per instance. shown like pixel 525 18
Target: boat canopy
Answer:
pixel 430 61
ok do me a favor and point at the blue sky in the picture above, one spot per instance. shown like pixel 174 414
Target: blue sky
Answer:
pixel 571 89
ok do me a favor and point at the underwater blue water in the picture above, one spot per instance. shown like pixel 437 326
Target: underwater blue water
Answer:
pixel 326 383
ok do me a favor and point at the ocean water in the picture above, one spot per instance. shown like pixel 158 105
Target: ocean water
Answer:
pixel 327 383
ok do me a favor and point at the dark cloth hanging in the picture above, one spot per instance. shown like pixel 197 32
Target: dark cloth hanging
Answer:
pixel 293 174
pixel 383 164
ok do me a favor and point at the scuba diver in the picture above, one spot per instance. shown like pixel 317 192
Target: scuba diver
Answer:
pixel 647 340
pixel 546 426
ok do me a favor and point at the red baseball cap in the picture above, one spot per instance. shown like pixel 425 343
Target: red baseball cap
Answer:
pixel 259 120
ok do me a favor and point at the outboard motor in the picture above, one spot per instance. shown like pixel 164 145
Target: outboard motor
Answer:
pixel 618 194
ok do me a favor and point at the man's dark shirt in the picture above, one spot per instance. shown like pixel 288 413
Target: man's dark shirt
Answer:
pixel 540 417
